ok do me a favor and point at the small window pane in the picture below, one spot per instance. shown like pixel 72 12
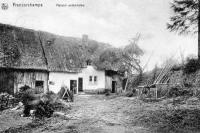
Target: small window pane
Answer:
pixel 95 78
pixel 90 78
pixel 39 83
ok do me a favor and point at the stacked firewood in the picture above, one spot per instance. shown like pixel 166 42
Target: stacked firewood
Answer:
pixel 7 101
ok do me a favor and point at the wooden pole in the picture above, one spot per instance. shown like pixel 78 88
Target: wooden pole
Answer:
pixel 199 31
pixel 156 92
pixel 126 85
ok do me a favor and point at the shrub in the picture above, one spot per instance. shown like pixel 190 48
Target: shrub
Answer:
pixel 177 91
pixel 41 103
pixel 176 68
pixel 191 66
pixel 44 109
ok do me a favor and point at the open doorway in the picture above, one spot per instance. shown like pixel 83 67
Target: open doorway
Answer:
pixel 73 86
pixel 114 86
pixel 80 84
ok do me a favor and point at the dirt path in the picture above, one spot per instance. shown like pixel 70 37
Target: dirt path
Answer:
pixel 97 114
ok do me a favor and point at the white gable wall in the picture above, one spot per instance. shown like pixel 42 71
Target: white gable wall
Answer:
pixel 92 85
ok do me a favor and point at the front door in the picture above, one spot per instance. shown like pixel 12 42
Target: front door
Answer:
pixel 114 86
pixel 73 86
pixel 80 84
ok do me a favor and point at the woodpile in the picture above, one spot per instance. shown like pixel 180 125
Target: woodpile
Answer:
pixel 7 101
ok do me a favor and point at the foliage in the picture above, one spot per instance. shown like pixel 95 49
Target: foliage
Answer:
pixel 131 56
pixel 25 94
pixel 44 109
pixel 135 81
pixel 177 91
pixel 191 66
pixel 43 104
pixel 176 120
pixel 122 59
pixel 110 59
pixel 185 19
pixel 177 67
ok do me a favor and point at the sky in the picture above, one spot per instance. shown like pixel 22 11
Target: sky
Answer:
pixel 109 21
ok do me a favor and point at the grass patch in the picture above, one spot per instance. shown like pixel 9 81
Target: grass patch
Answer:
pixel 176 120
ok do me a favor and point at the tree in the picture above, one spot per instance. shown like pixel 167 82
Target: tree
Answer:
pixel 131 56
pixel 131 59
pixel 122 59
pixel 186 18
pixel 110 59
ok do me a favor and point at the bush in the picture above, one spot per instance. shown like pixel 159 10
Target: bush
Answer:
pixel 177 91
pixel 41 103
pixel 191 66
pixel 176 68
pixel 44 109
pixel 21 95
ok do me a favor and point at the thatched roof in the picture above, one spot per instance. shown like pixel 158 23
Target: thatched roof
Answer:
pixel 68 53
pixel 20 48
pixel 32 49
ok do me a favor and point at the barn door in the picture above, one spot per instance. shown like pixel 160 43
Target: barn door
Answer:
pixel 7 81
pixel 73 86
pixel 80 84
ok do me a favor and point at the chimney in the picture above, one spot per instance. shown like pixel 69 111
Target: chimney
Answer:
pixel 85 39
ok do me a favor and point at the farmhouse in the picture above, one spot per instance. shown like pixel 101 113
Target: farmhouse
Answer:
pixel 46 62
pixel 63 70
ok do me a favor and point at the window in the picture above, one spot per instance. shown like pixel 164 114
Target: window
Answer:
pixel 39 84
pixel 95 78
pixel 90 78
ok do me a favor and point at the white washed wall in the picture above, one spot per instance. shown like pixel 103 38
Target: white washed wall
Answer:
pixel 91 71
pixel 61 78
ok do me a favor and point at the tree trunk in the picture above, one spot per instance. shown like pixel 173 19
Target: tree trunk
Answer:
pixel 199 32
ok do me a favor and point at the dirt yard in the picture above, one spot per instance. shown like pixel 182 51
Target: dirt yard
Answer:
pixel 88 114
pixel 96 114
pixel 99 114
